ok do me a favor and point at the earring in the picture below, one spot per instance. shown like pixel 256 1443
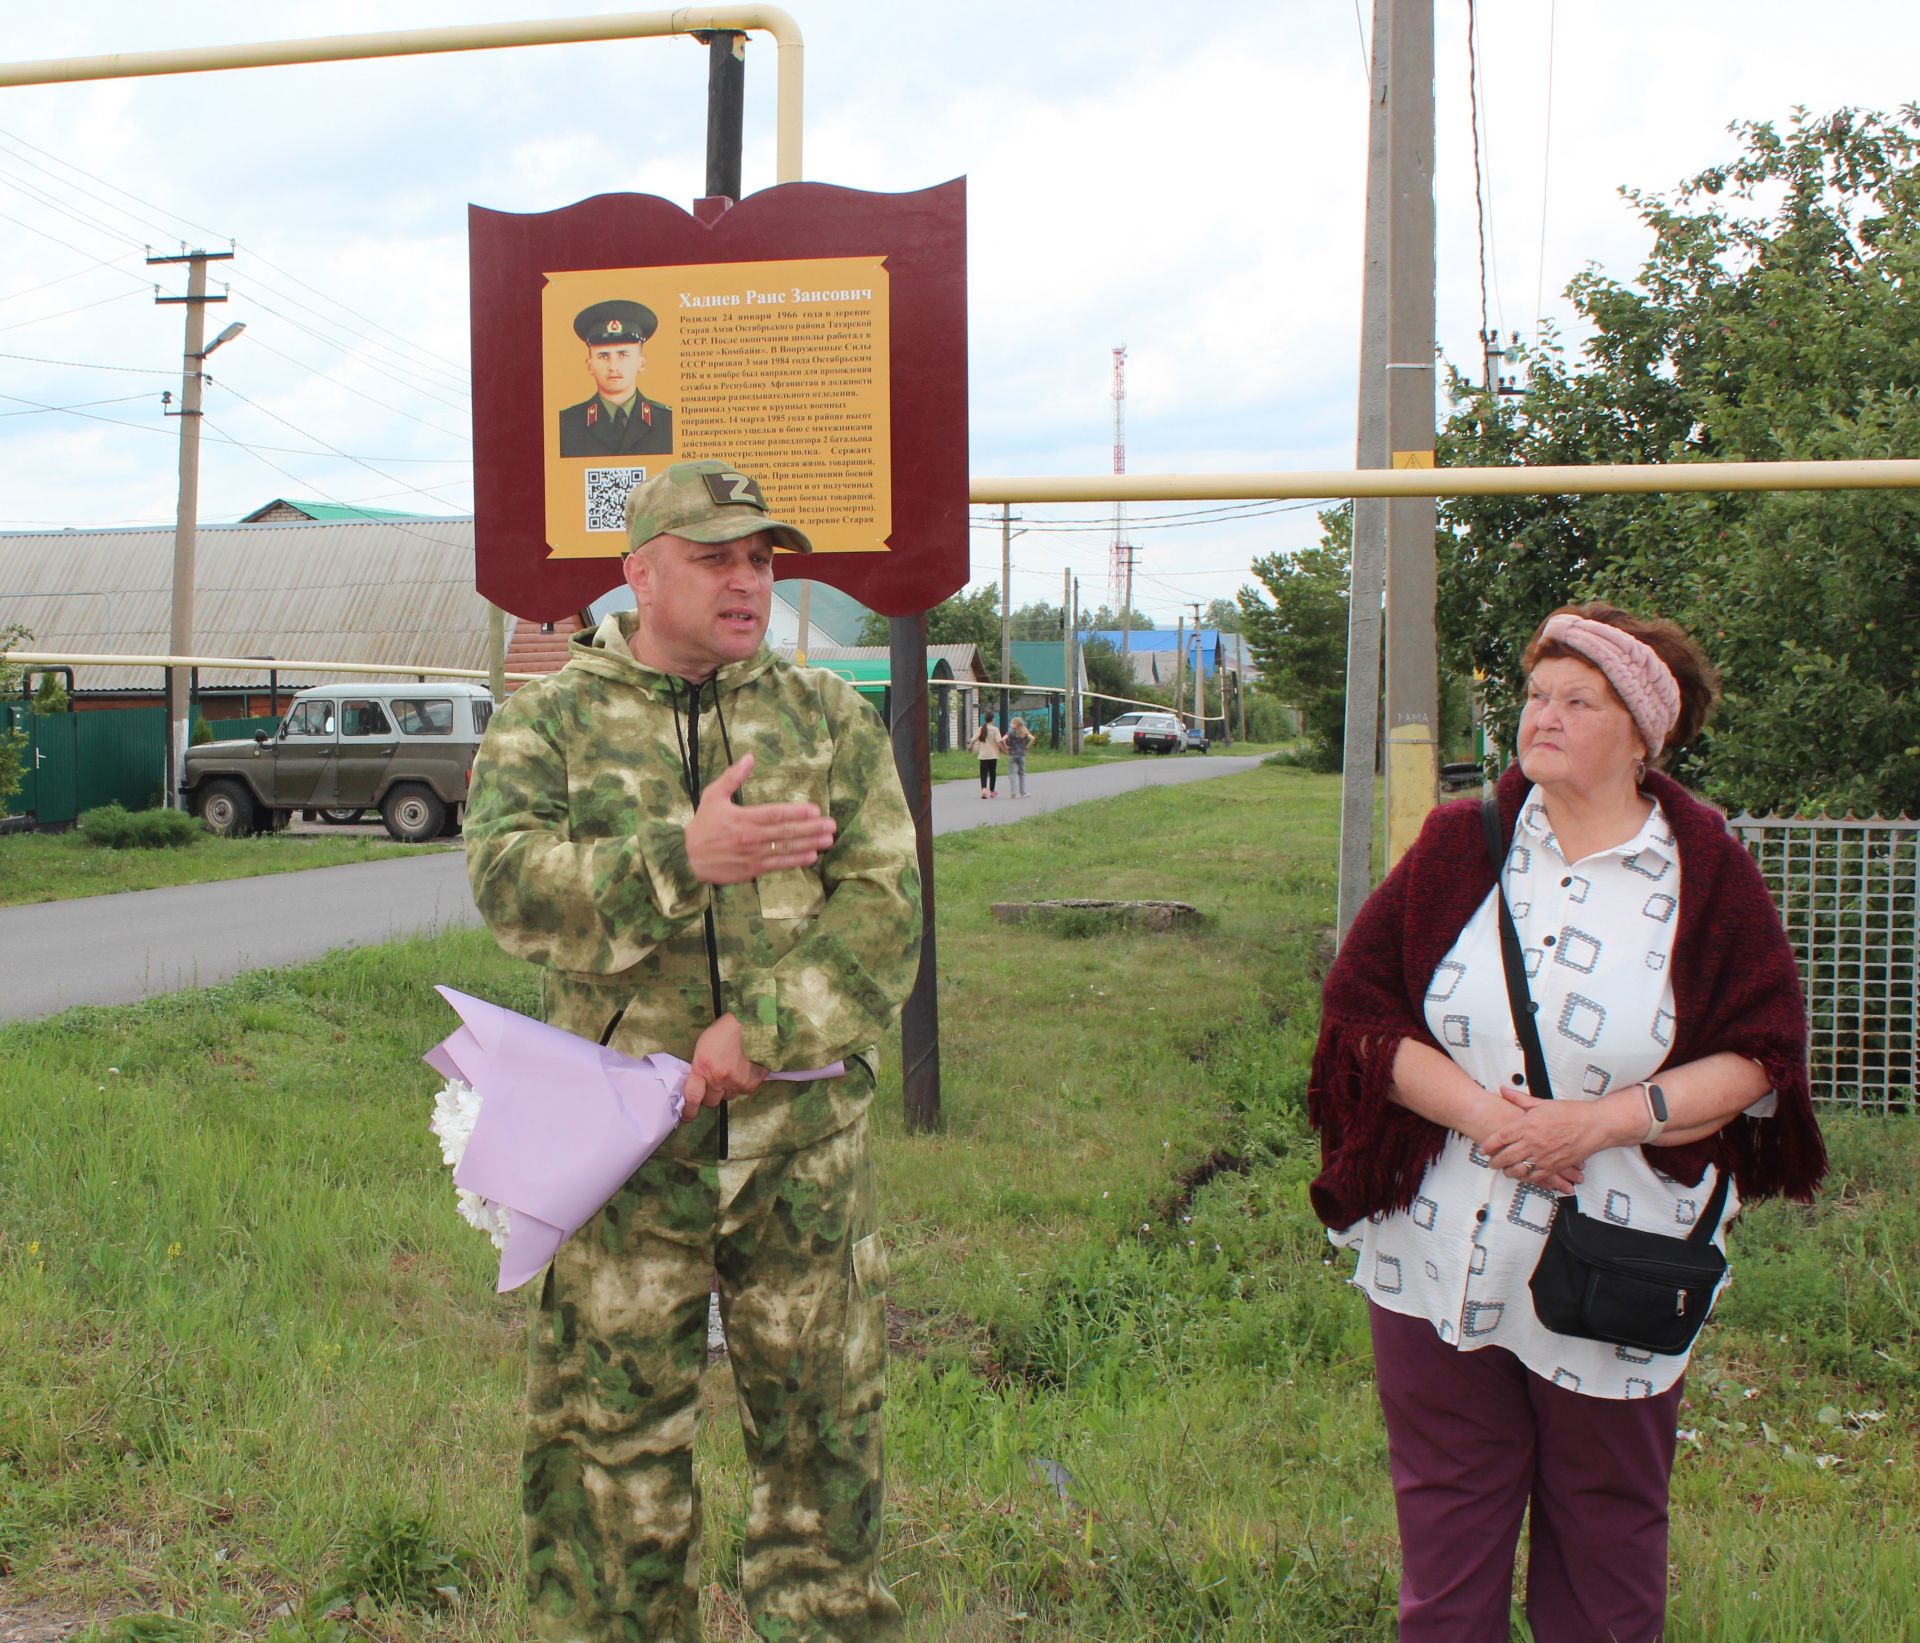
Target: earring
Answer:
pixel 1639 770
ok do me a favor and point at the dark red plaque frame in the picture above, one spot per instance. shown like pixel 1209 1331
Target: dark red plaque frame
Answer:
pixel 921 235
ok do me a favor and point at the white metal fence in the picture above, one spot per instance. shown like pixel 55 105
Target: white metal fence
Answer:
pixel 1849 894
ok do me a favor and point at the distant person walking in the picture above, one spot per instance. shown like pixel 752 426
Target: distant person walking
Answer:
pixel 988 744
pixel 1019 739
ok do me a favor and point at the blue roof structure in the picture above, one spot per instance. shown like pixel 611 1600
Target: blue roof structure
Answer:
pixel 1214 649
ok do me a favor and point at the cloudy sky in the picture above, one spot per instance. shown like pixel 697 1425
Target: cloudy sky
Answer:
pixel 1185 182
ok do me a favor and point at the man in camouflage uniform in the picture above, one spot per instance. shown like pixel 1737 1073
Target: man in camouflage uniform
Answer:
pixel 708 852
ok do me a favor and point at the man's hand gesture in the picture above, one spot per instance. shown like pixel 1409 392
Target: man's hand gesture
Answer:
pixel 729 843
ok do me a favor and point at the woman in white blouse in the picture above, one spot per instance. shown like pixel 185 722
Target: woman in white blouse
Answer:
pixel 1674 1038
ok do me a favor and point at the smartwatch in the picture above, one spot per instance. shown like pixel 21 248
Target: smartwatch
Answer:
pixel 1656 1111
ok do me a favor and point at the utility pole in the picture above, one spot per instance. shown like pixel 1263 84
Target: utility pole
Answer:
pixel 1122 553
pixel 1413 684
pixel 1179 662
pixel 1070 729
pixel 1393 541
pixel 1006 613
pixel 726 117
pixel 1361 756
pixel 1240 684
pixel 1073 671
pixel 1199 671
pixel 185 541
pixel 920 1017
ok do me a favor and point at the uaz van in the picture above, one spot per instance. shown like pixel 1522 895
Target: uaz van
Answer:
pixel 406 749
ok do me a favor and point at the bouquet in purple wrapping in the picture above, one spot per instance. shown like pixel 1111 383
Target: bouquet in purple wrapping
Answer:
pixel 542 1127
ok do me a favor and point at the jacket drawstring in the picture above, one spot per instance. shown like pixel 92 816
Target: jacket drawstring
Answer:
pixel 690 776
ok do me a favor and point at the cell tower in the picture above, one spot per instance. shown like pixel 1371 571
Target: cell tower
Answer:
pixel 1120 571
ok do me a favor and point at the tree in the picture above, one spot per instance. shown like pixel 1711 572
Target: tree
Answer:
pixel 1107 673
pixel 1107 619
pixel 1297 631
pixel 13 743
pixel 1772 318
pixel 1223 614
pixel 50 696
pixel 965 619
pixel 1038 621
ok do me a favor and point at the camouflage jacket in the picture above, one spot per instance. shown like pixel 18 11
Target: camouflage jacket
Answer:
pixel 578 863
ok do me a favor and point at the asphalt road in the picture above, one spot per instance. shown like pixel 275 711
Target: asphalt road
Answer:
pixel 117 949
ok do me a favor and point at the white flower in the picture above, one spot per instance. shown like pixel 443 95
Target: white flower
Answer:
pixel 455 1110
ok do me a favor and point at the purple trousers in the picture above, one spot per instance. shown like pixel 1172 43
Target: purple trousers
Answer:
pixel 1474 1439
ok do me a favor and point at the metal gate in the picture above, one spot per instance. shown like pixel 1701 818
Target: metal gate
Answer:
pixel 49 788
pixel 74 762
pixel 1849 894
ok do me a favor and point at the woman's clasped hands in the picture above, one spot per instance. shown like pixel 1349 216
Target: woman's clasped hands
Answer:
pixel 1547 1143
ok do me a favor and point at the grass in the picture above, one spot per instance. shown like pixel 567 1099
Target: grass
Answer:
pixel 251 1362
pixel 61 866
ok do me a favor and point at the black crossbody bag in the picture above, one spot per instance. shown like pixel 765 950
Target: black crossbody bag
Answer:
pixel 1596 1280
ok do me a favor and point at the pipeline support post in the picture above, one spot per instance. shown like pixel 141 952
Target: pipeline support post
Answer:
pixel 920 1019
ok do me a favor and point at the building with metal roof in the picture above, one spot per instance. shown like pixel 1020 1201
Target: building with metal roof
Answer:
pixel 283 508
pixel 306 581
pixel 391 592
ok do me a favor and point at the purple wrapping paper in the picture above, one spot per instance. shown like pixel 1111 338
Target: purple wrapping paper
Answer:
pixel 563 1122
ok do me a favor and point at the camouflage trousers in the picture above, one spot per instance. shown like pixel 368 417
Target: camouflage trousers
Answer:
pixel 619 1344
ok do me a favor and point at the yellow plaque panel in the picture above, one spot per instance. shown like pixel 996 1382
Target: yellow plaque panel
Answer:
pixel 780 368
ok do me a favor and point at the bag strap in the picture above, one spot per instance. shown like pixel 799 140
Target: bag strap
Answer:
pixel 1519 1001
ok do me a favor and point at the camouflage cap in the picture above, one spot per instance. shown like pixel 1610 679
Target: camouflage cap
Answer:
pixel 706 501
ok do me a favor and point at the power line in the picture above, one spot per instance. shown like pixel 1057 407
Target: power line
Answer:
pixel 38 405
pixel 107 262
pixel 40 197
pixel 41 410
pixel 1366 56
pixel 1479 199
pixel 446 380
pixel 425 353
pixel 1168 522
pixel 1546 166
pixel 61 279
pixel 427 360
pixel 451 433
pixel 345 348
pixel 198 228
pixel 993 520
pixel 392 479
pixel 118 296
pixel 82 365
pixel 308 485
pixel 1483 134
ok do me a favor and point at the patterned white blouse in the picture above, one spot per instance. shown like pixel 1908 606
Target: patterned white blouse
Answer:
pixel 1597 935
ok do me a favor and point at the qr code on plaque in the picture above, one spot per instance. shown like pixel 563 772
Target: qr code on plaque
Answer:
pixel 607 496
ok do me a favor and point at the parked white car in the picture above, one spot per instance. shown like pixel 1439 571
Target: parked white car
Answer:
pixel 1120 730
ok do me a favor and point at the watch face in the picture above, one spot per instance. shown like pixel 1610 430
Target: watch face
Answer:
pixel 1657 1100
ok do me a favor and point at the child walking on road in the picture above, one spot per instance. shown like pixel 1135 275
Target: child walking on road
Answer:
pixel 988 744
pixel 1019 739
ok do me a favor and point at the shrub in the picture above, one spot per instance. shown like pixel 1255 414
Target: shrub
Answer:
pixel 1099 739
pixel 116 828
pixel 50 696
pixel 201 734
pixel 396 1556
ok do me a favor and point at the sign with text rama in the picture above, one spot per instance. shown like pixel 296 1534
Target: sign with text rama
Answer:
pixel 815 337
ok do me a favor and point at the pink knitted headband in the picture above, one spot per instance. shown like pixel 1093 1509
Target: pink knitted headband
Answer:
pixel 1634 669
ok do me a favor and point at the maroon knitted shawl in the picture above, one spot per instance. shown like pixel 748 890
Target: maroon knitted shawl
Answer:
pixel 1734 982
